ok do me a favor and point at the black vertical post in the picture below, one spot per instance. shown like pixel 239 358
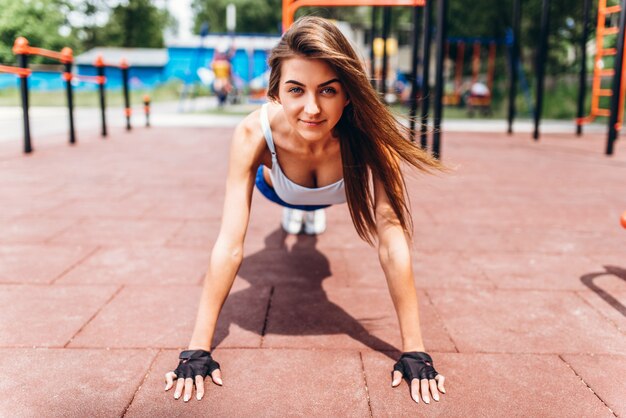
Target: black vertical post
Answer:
pixel 582 84
pixel 127 109
pixel 386 24
pixel 514 62
pixel 426 72
pixel 441 38
pixel 99 64
pixel 23 62
pixel 414 58
pixel 372 55
pixel 146 109
pixel 67 61
pixel 617 82
pixel 540 65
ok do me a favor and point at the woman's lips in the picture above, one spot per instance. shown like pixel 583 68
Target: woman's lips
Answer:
pixel 311 123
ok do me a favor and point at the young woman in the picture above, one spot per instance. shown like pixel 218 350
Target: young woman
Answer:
pixel 325 138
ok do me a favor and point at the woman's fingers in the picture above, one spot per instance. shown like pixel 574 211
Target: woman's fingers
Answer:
pixel 188 389
pixel 424 387
pixel 396 378
pixel 217 377
pixel 415 390
pixel 199 387
pixel 433 389
pixel 169 380
pixel 440 379
pixel 179 388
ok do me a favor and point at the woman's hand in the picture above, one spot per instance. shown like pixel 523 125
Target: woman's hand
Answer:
pixel 193 367
pixel 417 368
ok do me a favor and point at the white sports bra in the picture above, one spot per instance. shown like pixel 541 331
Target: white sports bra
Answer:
pixel 291 192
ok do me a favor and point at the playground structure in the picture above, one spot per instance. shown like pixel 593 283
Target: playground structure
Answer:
pixel 22 50
pixel 468 95
pixel 424 8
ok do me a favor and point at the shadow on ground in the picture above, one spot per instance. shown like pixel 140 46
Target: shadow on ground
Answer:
pixel 588 280
pixel 300 270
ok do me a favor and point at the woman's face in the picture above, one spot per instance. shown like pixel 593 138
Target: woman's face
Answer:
pixel 312 97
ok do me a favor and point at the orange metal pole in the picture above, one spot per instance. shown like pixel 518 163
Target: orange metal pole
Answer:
pixel 475 62
pixel 290 6
pixel 20 72
pixel 491 66
pixel 458 76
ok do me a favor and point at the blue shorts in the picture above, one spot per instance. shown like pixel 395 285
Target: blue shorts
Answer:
pixel 270 193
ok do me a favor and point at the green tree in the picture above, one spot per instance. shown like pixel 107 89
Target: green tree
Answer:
pixel 136 24
pixel 39 21
pixel 252 15
pixel 88 30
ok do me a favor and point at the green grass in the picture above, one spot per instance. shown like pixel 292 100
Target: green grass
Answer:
pixel 165 92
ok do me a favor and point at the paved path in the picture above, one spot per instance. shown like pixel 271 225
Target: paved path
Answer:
pixel 520 265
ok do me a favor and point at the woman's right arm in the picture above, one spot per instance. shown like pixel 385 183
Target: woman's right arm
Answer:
pixel 227 253
pixel 196 362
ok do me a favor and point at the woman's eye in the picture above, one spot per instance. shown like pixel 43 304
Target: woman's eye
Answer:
pixel 329 90
pixel 295 90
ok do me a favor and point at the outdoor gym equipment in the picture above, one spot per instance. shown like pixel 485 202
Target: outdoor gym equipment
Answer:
pixel 605 73
pixel 146 109
pixel 23 73
pixel 481 102
pixel 22 49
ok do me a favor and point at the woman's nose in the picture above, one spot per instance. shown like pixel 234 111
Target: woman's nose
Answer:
pixel 311 107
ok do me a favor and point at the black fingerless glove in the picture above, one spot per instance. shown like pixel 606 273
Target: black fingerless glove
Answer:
pixel 416 365
pixel 195 363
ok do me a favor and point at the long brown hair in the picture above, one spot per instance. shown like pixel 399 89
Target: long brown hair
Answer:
pixel 373 143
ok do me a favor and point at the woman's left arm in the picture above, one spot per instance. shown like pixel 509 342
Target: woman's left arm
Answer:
pixel 394 253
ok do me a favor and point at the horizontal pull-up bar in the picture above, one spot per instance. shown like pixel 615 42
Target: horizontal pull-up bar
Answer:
pixel 20 72
pixel 290 6
pixel 21 47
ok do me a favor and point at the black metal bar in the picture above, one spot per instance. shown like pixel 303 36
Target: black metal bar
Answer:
pixel 127 108
pixel 414 58
pixel 582 84
pixel 426 73
pixel 540 65
pixel 514 62
pixel 146 109
pixel 617 83
pixel 102 90
pixel 70 100
pixel 372 55
pixel 441 38
pixel 386 24
pixel 23 62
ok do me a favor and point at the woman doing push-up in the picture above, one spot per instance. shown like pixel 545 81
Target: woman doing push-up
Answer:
pixel 325 138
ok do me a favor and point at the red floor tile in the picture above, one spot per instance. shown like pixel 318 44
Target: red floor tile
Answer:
pixel 33 230
pixel 172 312
pixel 119 232
pixel 516 321
pixel 38 263
pixel 284 383
pixel 344 318
pixel 141 265
pixel 605 375
pixel 47 316
pixel 536 270
pixel 486 385
pixel 70 383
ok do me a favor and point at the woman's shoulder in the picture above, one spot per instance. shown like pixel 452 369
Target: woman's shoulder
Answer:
pixel 248 139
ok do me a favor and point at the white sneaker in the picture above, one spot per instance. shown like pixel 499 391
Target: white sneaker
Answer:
pixel 315 222
pixel 292 220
